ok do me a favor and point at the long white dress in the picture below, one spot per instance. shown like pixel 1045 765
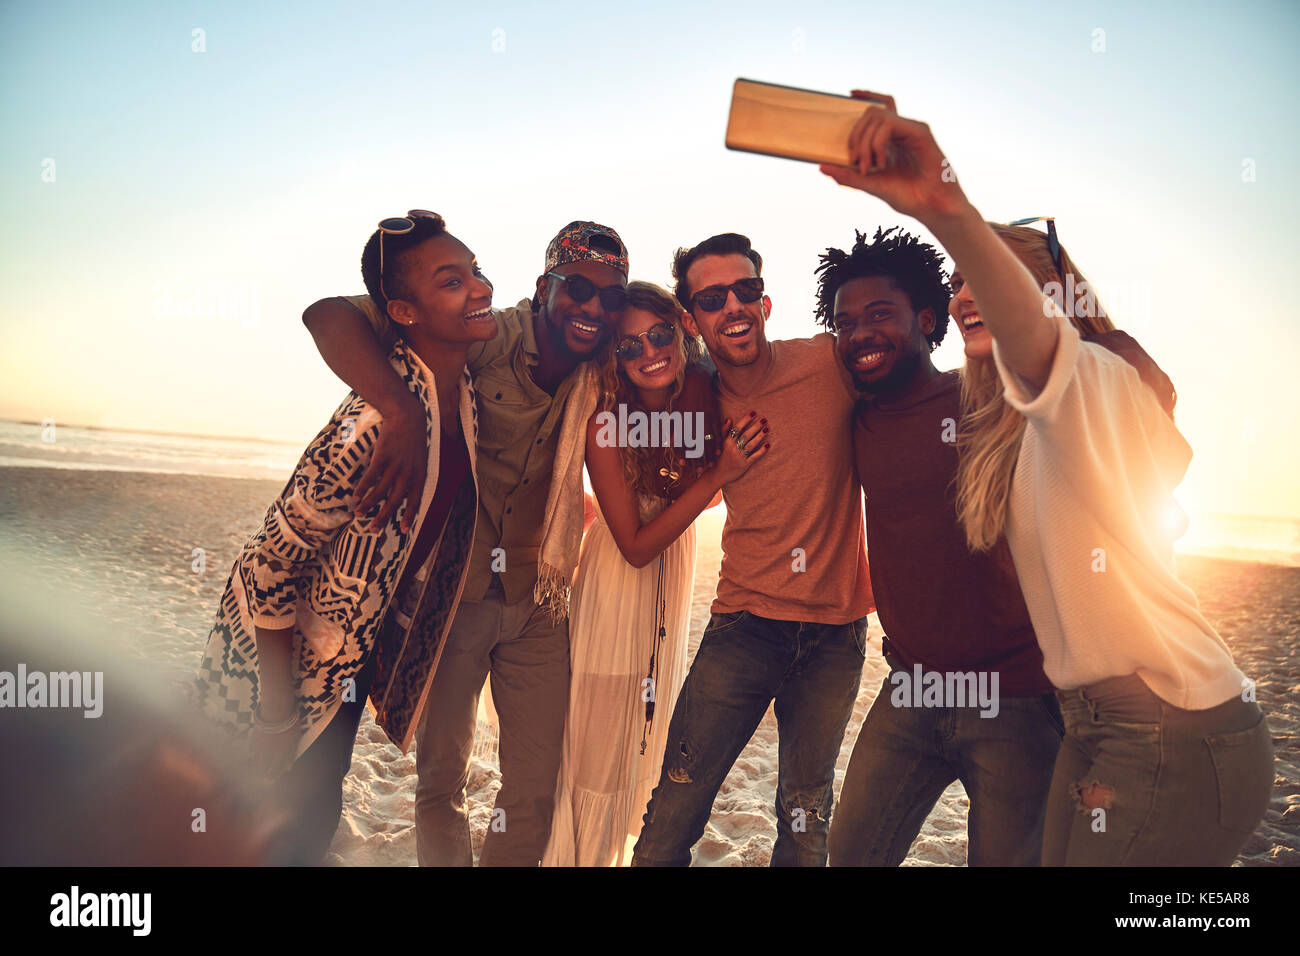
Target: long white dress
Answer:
pixel 605 780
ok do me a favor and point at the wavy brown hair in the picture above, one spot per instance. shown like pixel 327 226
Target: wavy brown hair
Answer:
pixel 642 466
pixel 988 441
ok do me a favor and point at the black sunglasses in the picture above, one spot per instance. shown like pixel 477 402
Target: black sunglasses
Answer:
pixel 631 347
pixel 580 289
pixel 714 297
pixel 1053 243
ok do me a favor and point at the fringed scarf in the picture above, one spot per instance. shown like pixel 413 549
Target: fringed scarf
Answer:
pixel 562 524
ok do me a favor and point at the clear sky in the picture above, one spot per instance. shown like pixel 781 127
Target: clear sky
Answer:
pixel 169 211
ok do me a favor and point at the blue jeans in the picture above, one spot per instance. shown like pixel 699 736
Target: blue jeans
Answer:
pixel 1140 782
pixel 744 662
pixel 905 757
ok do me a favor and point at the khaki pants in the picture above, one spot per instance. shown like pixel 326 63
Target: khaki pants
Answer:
pixel 528 659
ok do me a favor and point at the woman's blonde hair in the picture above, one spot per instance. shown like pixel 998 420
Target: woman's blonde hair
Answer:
pixel 988 440
pixel 642 466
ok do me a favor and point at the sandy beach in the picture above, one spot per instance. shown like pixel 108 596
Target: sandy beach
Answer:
pixel 124 544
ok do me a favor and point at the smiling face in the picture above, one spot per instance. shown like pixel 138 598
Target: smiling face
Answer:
pixel 448 297
pixel 656 368
pixel 878 336
pixel 734 334
pixel 579 328
pixel 976 339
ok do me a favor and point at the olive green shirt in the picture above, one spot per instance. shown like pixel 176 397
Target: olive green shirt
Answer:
pixel 519 430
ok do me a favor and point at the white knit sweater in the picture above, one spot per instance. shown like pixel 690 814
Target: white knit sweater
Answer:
pixel 1091 527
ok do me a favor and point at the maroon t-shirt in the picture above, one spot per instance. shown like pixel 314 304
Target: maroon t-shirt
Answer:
pixel 453 468
pixel 941 605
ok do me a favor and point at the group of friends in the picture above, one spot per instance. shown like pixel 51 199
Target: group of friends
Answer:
pixel 435 535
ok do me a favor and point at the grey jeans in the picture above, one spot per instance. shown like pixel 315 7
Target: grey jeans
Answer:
pixel 1139 782
pixel 528 658
pixel 905 757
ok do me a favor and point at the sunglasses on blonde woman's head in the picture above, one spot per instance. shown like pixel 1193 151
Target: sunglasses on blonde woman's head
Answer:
pixel 714 297
pixel 1053 243
pixel 400 226
pixel 630 347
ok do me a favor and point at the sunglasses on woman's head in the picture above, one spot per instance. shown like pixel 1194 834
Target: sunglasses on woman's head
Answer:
pixel 580 289
pixel 1053 243
pixel 714 297
pixel 400 226
pixel 631 347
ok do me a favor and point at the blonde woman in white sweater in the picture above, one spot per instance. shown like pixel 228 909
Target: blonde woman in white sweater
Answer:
pixel 1167 759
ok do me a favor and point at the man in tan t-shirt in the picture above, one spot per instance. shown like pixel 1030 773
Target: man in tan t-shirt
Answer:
pixel 789 619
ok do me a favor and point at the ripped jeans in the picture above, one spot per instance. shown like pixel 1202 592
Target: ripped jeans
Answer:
pixel 1139 782
pixel 744 662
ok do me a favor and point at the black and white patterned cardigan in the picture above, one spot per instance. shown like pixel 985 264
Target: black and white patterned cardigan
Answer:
pixel 314 565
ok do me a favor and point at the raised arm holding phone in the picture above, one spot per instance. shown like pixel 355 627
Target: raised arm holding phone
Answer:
pixel 1162 738
pixel 897 160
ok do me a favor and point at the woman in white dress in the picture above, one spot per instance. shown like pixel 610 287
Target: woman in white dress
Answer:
pixel 630 609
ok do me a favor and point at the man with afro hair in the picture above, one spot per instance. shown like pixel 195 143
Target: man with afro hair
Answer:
pixel 966 698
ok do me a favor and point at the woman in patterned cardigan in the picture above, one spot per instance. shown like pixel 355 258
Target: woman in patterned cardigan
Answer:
pixel 326 604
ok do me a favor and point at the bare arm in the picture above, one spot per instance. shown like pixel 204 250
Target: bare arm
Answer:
pixel 1009 300
pixel 274 753
pixel 641 544
pixel 275 672
pixel 898 160
pixel 351 349
pixel 697 397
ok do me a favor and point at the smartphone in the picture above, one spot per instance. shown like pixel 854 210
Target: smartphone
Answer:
pixel 792 123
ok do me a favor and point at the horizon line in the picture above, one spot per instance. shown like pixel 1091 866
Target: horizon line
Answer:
pixel 150 431
pixel 283 441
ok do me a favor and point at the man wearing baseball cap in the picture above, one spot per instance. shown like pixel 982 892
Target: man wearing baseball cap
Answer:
pixel 535 393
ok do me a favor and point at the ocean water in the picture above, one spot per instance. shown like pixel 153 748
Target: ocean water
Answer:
pixel 95 449
pixel 1275 540
pixel 1244 538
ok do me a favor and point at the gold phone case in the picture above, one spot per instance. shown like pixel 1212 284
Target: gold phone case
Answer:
pixel 792 123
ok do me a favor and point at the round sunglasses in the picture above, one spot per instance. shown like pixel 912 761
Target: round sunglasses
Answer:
pixel 400 226
pixel 580 289
pixel 631 347
pixel 714 297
